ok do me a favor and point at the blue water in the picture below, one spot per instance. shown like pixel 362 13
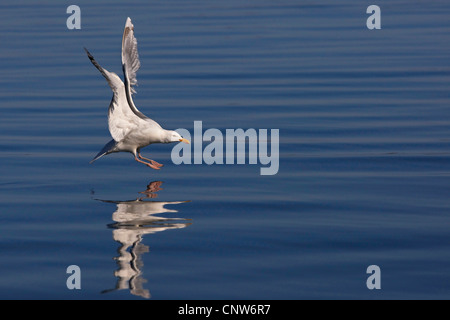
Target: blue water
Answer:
pixel 364 152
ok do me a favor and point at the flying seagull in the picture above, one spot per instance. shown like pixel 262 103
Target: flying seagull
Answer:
pixel 130 129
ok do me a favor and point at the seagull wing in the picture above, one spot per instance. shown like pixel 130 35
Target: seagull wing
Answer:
pixel 130 65
pixel 121 118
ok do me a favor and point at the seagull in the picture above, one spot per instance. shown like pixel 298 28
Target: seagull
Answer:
pixel 130 129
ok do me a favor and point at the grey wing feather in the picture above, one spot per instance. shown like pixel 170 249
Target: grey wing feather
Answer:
pixel 121 113
pixel 113 79
pixel 130 56
pixel 130 65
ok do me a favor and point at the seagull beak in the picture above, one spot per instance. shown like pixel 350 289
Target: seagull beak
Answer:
pixel 184 140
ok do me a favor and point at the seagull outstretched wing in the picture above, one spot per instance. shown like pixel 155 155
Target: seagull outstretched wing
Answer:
pixel 121 119
pixel 123 116
pixel 130 64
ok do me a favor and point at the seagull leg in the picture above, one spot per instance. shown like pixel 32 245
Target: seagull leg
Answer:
pixel 146 163
pixel 153 162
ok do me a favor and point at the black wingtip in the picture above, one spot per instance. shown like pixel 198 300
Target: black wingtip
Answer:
pixel 88 53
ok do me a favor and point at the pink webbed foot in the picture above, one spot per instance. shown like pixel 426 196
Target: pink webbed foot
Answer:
pixel 147 163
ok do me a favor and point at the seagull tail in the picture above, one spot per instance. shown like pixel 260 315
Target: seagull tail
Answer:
pixel 107 149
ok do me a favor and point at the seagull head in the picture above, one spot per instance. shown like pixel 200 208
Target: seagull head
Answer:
pixel 173 136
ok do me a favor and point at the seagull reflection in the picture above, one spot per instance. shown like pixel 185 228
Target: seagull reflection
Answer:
pixel 134 219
